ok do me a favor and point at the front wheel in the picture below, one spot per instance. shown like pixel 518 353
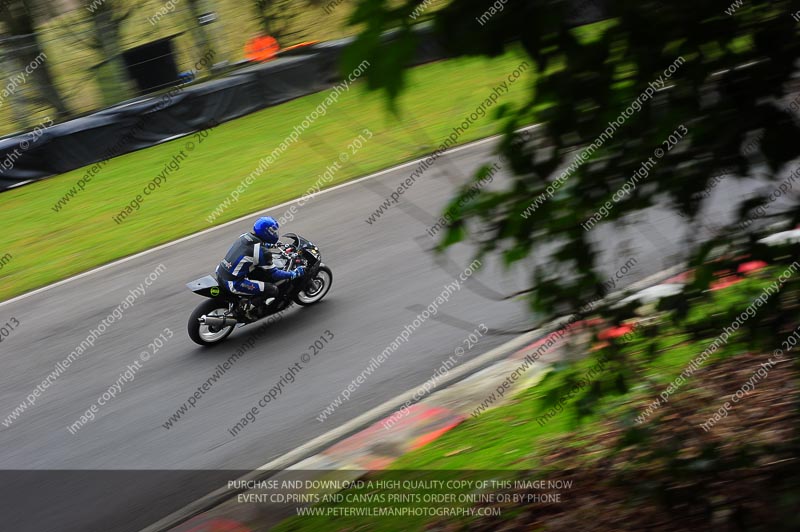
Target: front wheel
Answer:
pixel 317 287
pixel 203 334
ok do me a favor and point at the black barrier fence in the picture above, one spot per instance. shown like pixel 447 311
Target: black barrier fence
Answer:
pixel 145 122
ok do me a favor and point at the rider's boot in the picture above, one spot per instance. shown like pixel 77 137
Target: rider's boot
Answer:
pixel 251 307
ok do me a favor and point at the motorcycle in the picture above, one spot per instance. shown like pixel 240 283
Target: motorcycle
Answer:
pixel 214 320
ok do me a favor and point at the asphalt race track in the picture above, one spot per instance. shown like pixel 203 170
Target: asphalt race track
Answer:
pixel 384 275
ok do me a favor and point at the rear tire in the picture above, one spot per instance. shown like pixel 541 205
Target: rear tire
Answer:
pixel 202 334
pixel 317 289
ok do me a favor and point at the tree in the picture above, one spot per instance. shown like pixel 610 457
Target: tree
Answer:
pixel 729 72
pixel 107 20
pixel 724 73
pixel 26 49
pixel 201 37
pixel 277 17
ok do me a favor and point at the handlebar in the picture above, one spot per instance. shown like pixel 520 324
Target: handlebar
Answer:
pixel 291 257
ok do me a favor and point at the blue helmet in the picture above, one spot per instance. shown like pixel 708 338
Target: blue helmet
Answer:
pixel 266 229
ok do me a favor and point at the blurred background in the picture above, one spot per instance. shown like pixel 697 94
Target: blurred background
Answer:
pixel 92 46
pixel 625 165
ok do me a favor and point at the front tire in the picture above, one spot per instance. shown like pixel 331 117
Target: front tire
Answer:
pixel 317 288
pixel 201 333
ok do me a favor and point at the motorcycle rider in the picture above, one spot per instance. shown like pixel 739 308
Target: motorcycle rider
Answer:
pixel 251 251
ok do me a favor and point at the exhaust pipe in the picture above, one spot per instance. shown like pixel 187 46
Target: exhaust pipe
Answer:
pixel 217 321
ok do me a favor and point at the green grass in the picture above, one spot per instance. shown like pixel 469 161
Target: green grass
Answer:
pixel 508 438
pixel 47 246
pixel 67 41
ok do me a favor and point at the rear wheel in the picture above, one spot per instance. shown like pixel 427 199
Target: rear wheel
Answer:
pixel 317 288
pixel 204 334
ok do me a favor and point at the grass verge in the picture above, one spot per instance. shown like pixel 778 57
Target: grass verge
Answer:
pixel 47 246
pixel 622 472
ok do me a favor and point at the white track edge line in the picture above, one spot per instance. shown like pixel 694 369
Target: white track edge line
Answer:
pixel 320 442
pixel 242 218
pixel 286 460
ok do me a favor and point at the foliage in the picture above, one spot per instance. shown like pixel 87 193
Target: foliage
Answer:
pixel 107 20
pixel 665 474
pixel 80 76
pixel 733 72
pixel 23 43
pixel 714 79
pixel 83 235
pixel 278 19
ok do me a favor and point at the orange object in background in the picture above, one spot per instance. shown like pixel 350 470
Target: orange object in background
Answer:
pixel 262 48
pixel 299 45
pixel 266 48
